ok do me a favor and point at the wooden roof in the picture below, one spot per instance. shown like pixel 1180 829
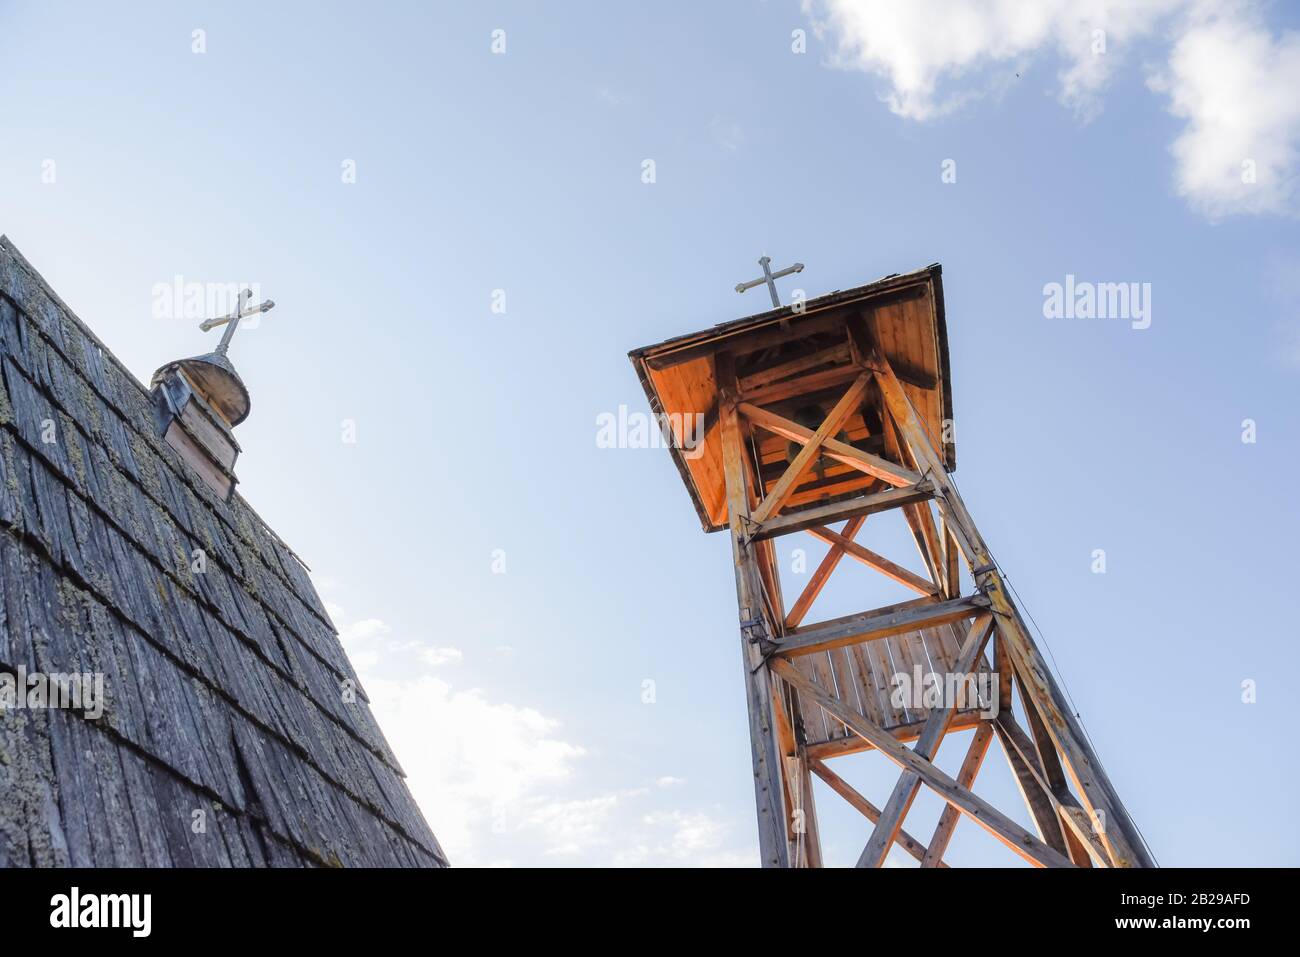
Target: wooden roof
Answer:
pixel 787 360
pixel 223 687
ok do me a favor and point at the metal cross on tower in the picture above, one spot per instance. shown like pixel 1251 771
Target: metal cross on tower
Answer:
pixel 241 311
pixel 769 277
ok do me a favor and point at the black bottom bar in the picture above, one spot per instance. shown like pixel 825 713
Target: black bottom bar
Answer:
pixel 250 908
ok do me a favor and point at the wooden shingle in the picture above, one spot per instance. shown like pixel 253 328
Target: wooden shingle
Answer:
pixel 222 689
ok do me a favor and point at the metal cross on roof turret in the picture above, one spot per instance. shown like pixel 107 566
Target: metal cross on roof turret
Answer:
pixel 768 277
pixel 241 311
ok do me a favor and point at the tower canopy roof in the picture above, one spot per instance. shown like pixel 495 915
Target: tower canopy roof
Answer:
pixel 794 360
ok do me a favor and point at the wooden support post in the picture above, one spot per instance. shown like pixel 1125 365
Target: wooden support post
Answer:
pixel 773 840
pixel 1052 778
pixel 1123 844
pixel 1049 806
pixel 1035 798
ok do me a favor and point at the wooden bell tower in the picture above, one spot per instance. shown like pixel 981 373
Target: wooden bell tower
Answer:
pixel 830 412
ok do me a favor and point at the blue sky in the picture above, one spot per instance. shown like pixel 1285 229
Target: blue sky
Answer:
pixel 515 699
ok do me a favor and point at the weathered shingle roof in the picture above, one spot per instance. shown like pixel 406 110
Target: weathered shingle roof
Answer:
pixel 224 688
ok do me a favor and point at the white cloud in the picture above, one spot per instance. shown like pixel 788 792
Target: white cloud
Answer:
pixel 367 641
pixel 696 838
pixel 918 45
pixel 469 761
pixel 1226 74
pixel 365 630
pixel 1236 86
pixel 500 784
pixel 572 827
pixel 624 829
pixel 442 656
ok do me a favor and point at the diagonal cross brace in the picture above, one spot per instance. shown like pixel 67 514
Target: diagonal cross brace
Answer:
pixel 833 449
pixel 970 767
pixel 976 808
pixel 785 485
pixel 822 574
pixel 869 810
pixel 936 726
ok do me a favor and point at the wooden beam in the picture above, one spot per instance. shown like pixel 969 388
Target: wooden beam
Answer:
pixel 852 744
pixel 918 517
pixel 822 575
pixel 1123 843
pixel 809 840
pixel 951 563
pixel 838 511
pixel 1035 796
pixel 921 525
pixel 774 499
pixel 891 472
pixel 1082 835
pixel 867 809
pixel 772 454
pixel 774 846
pixel 879 562
pixel 915 377
pixel 769 576
pixel 976 808
pixel 936 726
pixel 970 767
pixel 1049 799
pixel 833 355
pixel 804 385
pixel 868 626
pixel 817 492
